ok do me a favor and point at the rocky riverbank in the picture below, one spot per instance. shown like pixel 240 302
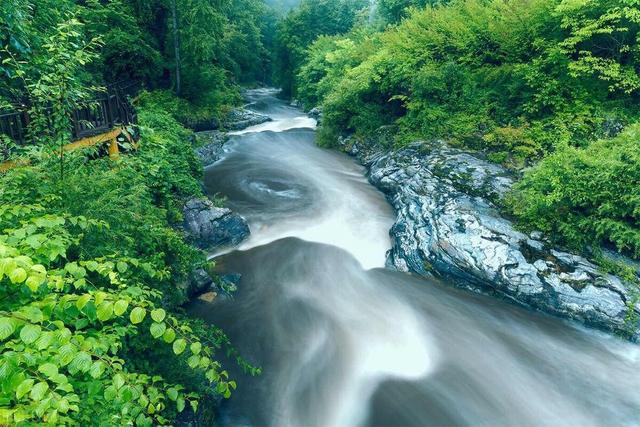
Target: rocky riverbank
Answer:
pixel 210 227
pixel 448 224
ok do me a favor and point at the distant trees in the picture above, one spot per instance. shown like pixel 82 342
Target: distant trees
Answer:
pixel 392 11
pixel 303 25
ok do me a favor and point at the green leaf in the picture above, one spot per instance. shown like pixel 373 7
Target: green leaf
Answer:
pixel 179 346
pixel 172 393
pixel 30 333
pixel 38 391
pixel 82 301
pixel 110 393
pixel 158 329
pixel 194 405
pixel 18 275
pixel 196 347
pixel 180 404
pixel 122 267
pixel 34 282
pixel 137 315
pixel 194 361
pixel 80 363
pixel 99 297
pixel 120 307
pixel 7 327
pixel 23 388
pixel 158 315
pixel 49 369
pixel 67 352
pixel 105 311
pixel 169 336
pixel 118 381
pixel 97 369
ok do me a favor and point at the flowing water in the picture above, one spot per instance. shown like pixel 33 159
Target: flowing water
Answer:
pixel 345 343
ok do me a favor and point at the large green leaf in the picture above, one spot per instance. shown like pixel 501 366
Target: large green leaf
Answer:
pixel 30 333
pixel 157 329
pixel 158 315
pixel 7 327
pixel 105 311
pixel 137 315
pixel 38 391
pixel 179 346
pixel 23 388
pixel 120 307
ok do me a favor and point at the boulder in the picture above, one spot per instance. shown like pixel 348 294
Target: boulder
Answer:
pixel 316 113
pixel 241 118
pixel 448 225
pixel 210 227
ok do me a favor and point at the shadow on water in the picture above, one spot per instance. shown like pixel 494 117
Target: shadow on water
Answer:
pixel 343 342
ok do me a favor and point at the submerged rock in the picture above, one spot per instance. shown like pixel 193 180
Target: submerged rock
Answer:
pixel 210 227
pixel 241 118
pixel 448 225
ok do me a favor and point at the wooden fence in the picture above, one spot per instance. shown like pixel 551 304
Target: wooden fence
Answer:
pixel 107 111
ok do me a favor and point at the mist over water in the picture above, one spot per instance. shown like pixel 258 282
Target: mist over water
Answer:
pixel 345 343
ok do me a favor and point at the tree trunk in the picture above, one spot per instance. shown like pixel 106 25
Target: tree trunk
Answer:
pixel 176 47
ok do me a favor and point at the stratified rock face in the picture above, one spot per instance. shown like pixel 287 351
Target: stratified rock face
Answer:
pixel 242 118
pixel 448 225
pixel 210 227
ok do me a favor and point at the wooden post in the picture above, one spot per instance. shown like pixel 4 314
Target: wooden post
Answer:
pixel 114 150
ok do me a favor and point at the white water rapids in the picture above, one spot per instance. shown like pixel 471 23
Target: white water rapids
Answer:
pixel 345 343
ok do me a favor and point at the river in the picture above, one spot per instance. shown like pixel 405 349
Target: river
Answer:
pixel 344 342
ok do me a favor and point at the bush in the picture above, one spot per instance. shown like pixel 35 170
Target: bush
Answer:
pixel 491 75
pixel 586 196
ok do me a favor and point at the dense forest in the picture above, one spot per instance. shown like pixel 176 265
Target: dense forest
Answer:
pixel 93 268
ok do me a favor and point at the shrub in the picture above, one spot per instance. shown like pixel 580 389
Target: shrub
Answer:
pixel 586 196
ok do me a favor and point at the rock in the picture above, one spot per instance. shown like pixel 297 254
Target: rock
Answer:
pixel 211 146
pixel 205 125
pixel 612 127
pixel 200 282
pixel 241 118
pixel 210 227
pixel 208 297
pixel 316 113
pixel 295 103
pixel 448 224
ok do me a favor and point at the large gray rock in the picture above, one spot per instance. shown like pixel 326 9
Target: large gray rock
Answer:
pixel 241 118
pixel 448 225
pixel 210 227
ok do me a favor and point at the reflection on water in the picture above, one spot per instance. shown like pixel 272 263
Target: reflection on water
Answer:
pixel 344 342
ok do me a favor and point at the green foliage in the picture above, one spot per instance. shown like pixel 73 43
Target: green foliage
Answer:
pixel 603 41
pixel 392 11
pixel 514 79
pixel 586 196
pixel 311 19
pixel 65 322
pixel 106 270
